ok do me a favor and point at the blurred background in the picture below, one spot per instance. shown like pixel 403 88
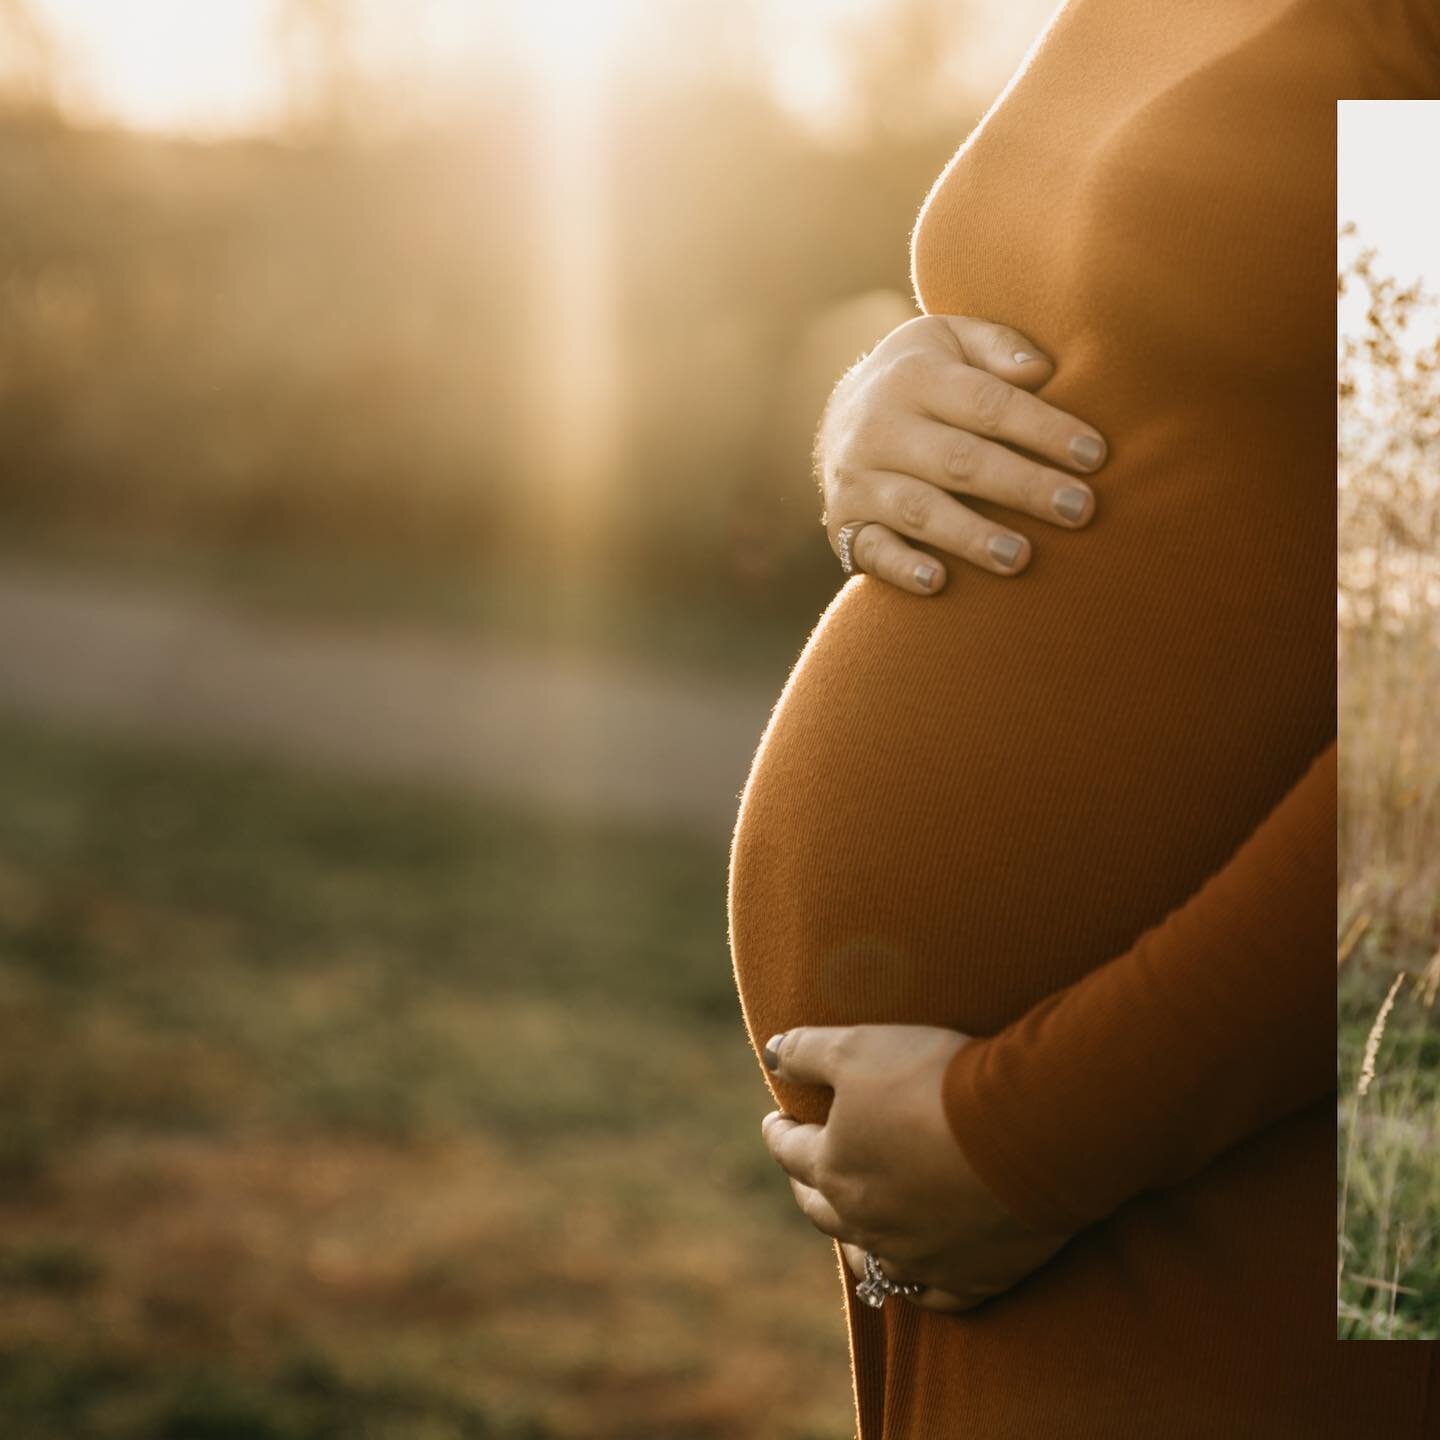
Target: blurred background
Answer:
pixel 1388 384
pixel 406 524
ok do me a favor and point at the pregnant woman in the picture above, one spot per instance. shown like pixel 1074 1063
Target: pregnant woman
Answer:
pixel 1033 872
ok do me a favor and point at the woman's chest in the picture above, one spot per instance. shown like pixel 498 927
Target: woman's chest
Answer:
pixel 1157 181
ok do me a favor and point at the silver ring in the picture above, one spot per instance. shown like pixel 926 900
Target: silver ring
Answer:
pixel 877 1284
pixel 844 538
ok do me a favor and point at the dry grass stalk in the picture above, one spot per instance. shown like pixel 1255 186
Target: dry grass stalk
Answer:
pixel 1377 1032
pixel 1430 981
pixel 1358 926
pixel 1384 1284
pixel 1401 1252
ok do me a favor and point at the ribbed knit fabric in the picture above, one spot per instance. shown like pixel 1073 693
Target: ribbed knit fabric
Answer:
pixel 1088 814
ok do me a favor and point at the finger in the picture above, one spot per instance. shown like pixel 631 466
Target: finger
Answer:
pixel 999 349
pixel 970 399
pixel 930 1298
pixel 877 550
pixel 968 464
pixel 855 1259
pixel 898 1273
pixel 817 1210
pixel 796 1146
pixel 942 1300
pixel 925 512
pixel 807 1054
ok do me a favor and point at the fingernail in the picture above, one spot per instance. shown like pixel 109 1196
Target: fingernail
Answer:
pixel 772 1050
pixel 1005 548
pixel 1069 502
pixel 1024 357
pixel 1087 450
pixel 925 576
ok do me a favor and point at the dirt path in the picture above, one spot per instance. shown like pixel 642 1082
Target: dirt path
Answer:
pixel 581 737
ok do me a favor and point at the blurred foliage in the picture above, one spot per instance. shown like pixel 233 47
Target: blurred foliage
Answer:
pixel 327 337
pixel 1388 391
pixel 1389 410
pixel 253 339
pixel 1388 395
pixel 1386 1148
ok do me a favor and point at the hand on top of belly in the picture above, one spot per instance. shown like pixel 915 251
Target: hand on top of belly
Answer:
pixel 885 1174
pixel 935 407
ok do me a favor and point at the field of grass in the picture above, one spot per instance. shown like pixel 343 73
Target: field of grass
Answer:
pixel 1388 392
pixel 1388 1163
pixel 342 1112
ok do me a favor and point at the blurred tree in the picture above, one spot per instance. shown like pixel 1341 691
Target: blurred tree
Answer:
pixel 1389 436
pixel 901 69
pixel 892 71
pixel 326 340
pixel 29 60
pixel 1388 394
pixel 317 42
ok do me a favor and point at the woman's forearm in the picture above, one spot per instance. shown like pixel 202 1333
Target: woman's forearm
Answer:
pixel 1218 1022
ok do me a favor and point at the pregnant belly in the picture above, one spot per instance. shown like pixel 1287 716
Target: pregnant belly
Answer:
pixel 964 803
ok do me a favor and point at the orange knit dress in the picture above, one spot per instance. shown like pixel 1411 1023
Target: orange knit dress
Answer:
pixel 1088 813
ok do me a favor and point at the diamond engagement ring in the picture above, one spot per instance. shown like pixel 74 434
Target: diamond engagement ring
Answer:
pixel 844 539
pixel 877 1285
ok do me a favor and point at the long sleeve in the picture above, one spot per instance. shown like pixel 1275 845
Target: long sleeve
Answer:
pixel 1218 1022
pixel 1395 49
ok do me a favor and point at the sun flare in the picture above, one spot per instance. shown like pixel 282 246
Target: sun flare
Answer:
pixel 170 64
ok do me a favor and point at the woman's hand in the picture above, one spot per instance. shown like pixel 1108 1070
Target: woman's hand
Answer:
pixel 933 408
pixel 884 1172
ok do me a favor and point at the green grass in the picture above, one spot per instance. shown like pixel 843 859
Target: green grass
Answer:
pixel 342 1111
pixel 1388 1161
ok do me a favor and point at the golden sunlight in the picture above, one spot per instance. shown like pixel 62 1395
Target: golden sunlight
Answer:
pixel 576 391
pixel 220 67
pixel 562 38
pixel 564 72
pixel 570 50
pixel 170 64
